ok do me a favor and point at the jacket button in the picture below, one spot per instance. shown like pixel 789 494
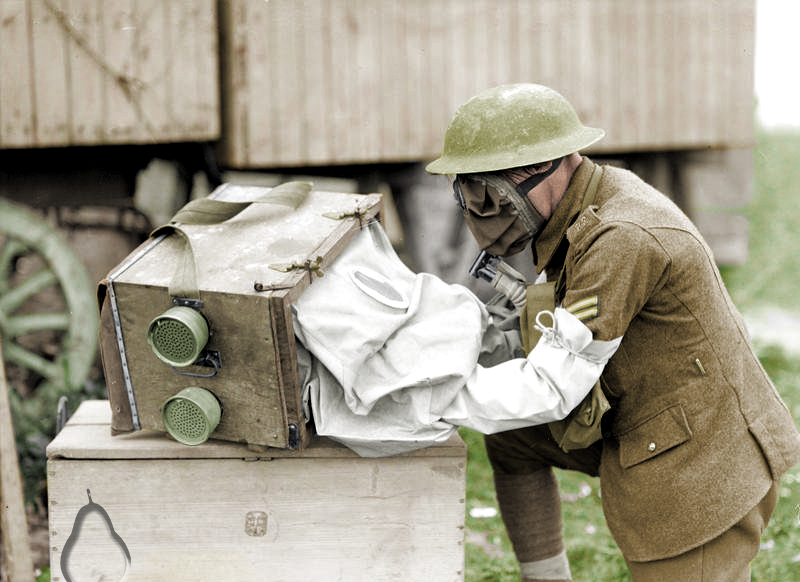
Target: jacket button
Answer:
pixel 651 447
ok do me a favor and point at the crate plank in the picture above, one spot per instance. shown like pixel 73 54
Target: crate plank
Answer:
pixel 394 519
pixel 51 79
pixel 216 512
pixel 154 38
pixel 17 127
pixel 342 92
pixel 411 135
pixel 91 72
pixel 264 84
pixel 434 102
pixel 88 112
pixel 86 436
pixel 287 92
pixel 123 87
pixel 234 80
pixel 194 69
pixel 314 45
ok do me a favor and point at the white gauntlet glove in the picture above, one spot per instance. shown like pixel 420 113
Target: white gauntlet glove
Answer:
pixel 544 387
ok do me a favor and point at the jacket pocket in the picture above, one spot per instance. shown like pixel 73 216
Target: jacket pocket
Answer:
pixel 663 431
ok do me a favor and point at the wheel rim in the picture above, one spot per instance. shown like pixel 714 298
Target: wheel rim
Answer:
pixel 48 316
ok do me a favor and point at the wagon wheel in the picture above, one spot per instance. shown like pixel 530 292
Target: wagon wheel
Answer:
pixel 48 318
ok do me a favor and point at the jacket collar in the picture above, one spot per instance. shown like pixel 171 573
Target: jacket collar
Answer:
pixel 554 232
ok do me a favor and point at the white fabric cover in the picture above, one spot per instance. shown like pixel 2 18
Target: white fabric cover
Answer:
pixel 391 366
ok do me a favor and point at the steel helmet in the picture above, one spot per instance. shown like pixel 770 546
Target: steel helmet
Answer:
pixel 511 126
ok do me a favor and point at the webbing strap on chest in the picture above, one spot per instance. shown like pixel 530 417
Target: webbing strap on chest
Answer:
pixel 588 198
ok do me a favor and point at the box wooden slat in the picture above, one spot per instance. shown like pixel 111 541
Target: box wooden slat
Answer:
pixel 91 72
pixel 377 80
pixel 215 512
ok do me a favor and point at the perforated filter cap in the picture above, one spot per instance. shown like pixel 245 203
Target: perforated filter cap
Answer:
pixel 191 415
pixel 178 335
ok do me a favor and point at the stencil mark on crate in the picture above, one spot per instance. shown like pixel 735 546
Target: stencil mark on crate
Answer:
pixel 75 539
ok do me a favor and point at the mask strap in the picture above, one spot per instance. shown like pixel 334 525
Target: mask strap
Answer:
pixel 530 183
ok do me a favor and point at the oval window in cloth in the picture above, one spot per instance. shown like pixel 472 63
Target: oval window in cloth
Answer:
pixel 378 287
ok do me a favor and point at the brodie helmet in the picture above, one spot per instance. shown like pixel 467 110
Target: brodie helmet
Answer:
pixel 511 126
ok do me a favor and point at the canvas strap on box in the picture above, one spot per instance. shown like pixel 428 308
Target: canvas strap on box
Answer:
pixel 582 427
pixel 183 285
pixel 210 211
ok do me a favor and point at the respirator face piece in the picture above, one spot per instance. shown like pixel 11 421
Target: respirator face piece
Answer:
pixel 502 220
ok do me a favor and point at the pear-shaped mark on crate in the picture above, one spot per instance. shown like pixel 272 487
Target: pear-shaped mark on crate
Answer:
pixel 91 544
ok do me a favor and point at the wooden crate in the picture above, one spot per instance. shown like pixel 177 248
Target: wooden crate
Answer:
pixel 250 269
pixel 314 82
pixel 91 72
pixel 216 512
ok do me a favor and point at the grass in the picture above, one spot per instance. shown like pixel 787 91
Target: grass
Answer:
pixel 767 280
pixel 489 556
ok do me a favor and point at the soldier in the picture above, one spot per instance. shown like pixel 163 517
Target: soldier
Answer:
pixel 696 438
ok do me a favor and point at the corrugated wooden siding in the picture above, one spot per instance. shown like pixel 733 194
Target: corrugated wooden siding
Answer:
pixel 87 72
pixel 340 81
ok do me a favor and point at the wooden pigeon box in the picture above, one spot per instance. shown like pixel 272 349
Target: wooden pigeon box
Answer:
pixel 196 327
pixel 144 508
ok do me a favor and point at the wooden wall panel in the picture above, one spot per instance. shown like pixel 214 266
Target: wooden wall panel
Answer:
pixel 91 72
pixel 314 82
pixel 17 98
pixel 88 106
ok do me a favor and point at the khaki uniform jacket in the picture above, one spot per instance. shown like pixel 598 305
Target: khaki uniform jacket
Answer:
pixel 697 432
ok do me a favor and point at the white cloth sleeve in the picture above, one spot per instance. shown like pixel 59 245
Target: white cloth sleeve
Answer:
pixel 544 387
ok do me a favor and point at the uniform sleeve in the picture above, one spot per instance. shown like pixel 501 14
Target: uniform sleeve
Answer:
pixel 612 269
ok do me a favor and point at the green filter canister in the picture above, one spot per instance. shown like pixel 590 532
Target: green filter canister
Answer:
pixel 191 415
pixel 178 335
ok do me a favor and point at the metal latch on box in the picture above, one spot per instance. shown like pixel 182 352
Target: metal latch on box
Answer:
pixel 206 359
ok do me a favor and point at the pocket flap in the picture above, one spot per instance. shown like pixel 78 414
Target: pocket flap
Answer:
pixel 665 430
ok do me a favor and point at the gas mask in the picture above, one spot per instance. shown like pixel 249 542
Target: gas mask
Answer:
pixel 498 212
